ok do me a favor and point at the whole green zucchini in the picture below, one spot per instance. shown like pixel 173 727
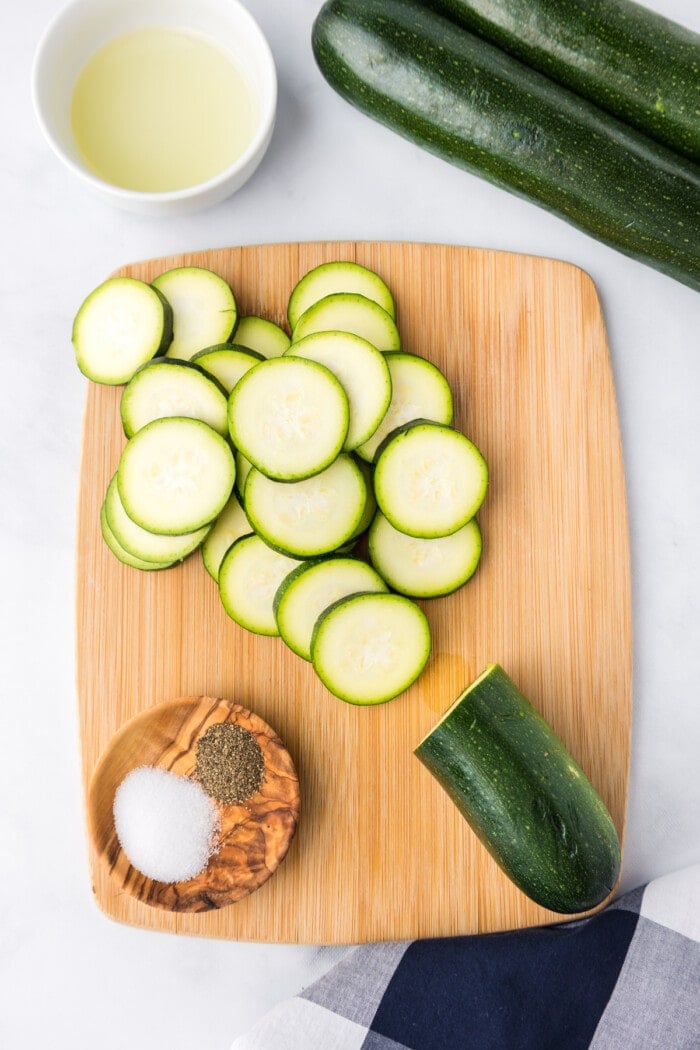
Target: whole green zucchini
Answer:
pixel 470 103
pixel 524 795
pixel 632 62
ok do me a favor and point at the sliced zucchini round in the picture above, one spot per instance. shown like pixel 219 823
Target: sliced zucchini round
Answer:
pixel 419 390
pixel 524 796
pixel 422 568
pixel 368 648
pixel 139 542
pixel 289 417
pixel 119 327
pixel 167 387
pixel 123 555
pixel 230 525
pixel 311 588
pixel 249 577
pixel 261 335
pixel 309 517
pixel 226 363
pixel 349 312
pixel 362 372
pixel 332 277
pixel 429 480
pixel 204 309
pixel 175 475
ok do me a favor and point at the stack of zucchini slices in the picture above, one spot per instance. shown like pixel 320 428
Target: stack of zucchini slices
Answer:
pixel 276 455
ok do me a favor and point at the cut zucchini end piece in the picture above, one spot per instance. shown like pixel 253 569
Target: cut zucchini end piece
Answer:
pixel 369 648
pixel 524 795
pixel 493 670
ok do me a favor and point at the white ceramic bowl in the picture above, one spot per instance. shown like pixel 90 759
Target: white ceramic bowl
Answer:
pixel 86 25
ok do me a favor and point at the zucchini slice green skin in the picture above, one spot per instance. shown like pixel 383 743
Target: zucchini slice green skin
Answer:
pixel 482 110
pixel 371 504
pixel 243 469
pixel 632 62
pixel 524 796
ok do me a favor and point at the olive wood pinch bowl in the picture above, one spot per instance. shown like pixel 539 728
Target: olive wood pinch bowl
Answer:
pixel 254 835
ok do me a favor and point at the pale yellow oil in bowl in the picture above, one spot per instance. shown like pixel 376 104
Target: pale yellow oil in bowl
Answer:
pixel 161 109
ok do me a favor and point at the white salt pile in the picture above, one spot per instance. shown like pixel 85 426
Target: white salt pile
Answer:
pixel 166 824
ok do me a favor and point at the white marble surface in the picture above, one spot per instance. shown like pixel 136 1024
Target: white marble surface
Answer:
pixel 69 978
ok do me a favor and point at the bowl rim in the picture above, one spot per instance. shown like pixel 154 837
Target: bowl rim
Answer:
pixel 253 151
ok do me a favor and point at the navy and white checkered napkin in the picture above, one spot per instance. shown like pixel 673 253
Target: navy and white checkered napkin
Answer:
pixel 627 978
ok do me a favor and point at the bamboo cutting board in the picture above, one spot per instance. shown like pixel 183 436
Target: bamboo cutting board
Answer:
pixel 381 852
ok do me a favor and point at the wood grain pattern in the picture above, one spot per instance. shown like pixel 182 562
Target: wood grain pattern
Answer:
pixel 253 837
pixel 522 343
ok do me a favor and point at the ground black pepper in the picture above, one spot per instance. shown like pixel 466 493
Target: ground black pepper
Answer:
pixel 230 764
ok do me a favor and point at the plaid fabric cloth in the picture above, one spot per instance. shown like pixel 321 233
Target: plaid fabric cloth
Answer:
pixel 625 979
